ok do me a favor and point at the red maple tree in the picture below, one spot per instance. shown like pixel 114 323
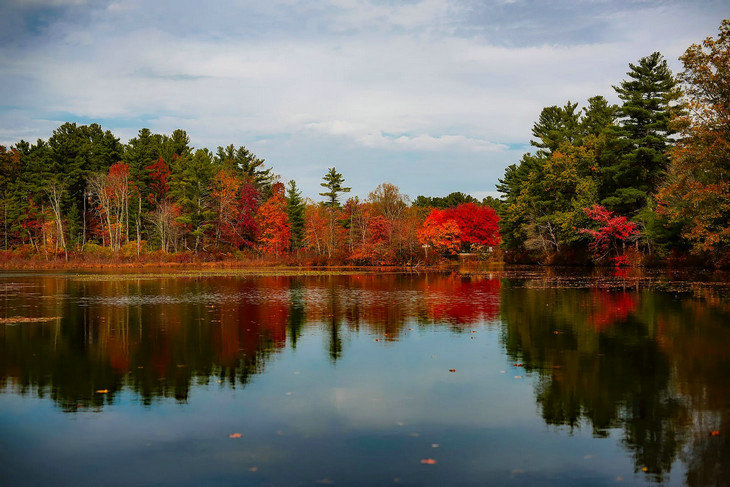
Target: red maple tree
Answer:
pixel 159 172
pixel 613 230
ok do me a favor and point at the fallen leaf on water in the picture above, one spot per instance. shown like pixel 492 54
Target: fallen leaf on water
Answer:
pixel 428 461
pixel 644 469
pixel 518 365
pixel 452 370
pixel 102 391
pixel 235 435
pixel 253 469
pixel 715 433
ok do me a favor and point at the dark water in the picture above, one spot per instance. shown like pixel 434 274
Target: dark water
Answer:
pixel 346 380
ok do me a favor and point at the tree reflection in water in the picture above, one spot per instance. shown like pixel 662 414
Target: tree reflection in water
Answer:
pixel 648 363
pixel 651 366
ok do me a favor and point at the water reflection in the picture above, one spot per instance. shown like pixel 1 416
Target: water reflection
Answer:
pixel 651 367
pixel 651 364
pixel 158 336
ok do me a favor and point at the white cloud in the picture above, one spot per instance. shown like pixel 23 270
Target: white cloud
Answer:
pixel 343 77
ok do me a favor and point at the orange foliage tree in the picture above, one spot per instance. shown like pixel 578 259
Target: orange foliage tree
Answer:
pixel 236 204
pixel 440 233
pixel 696 195
pixel 273 223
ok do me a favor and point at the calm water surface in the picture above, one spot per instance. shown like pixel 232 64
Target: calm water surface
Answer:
pixel 513 379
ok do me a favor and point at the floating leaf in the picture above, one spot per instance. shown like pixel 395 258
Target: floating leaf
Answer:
pixel 452 370
pixel 235 435
pixel 428 461
pixel 102 391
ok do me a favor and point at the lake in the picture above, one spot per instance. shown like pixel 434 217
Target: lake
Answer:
pixel 518 377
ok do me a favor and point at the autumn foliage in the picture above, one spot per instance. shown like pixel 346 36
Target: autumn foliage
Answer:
pixel 273 224
pixel 612 234
pixel 466 227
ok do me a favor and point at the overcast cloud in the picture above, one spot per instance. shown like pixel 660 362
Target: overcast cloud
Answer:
pixel 433 95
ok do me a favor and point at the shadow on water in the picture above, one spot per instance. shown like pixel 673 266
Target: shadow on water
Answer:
pixel 649 365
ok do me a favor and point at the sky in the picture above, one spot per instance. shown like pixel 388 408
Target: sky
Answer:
pixel 433 96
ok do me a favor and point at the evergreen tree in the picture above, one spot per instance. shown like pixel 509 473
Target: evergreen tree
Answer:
pixel 76 152
pixel 190 182
pixel 295 211
pixel 556 125
pixel 649 103
pixel 598 116
pixel 333 183
pixel 449 201
pixel 245 162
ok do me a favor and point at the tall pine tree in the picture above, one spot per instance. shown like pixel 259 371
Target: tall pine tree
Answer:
pixel 295 212
pixel 649 98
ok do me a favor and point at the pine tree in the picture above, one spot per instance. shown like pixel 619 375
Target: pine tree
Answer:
pixel 649 103
pixel 333 182
pixel 556 125
pixel 245 162
pixel 190 183
pixel 295 212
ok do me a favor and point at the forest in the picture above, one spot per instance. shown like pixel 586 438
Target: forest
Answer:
pixel 645 181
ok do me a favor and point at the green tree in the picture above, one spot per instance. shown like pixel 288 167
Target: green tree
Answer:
pixel 295 212
pixel 333 183
pixel 650 100
pixel 76 152
pixel 555 126
pixel 190 184
pixel 245 162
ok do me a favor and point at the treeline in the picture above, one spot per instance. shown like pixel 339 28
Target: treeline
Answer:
pixel 83 193
pixel 644 180
pixel 647 180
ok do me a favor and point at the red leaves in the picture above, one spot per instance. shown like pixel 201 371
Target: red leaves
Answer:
pixel 236 204
pixel 428 461
pixel 470 225
pixel 159 172
pixel 439 232
pixel 613 229
pixel 235 435
pixel 478 224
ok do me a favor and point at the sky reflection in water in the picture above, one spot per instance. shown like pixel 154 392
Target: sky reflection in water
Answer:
pixel 346 380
